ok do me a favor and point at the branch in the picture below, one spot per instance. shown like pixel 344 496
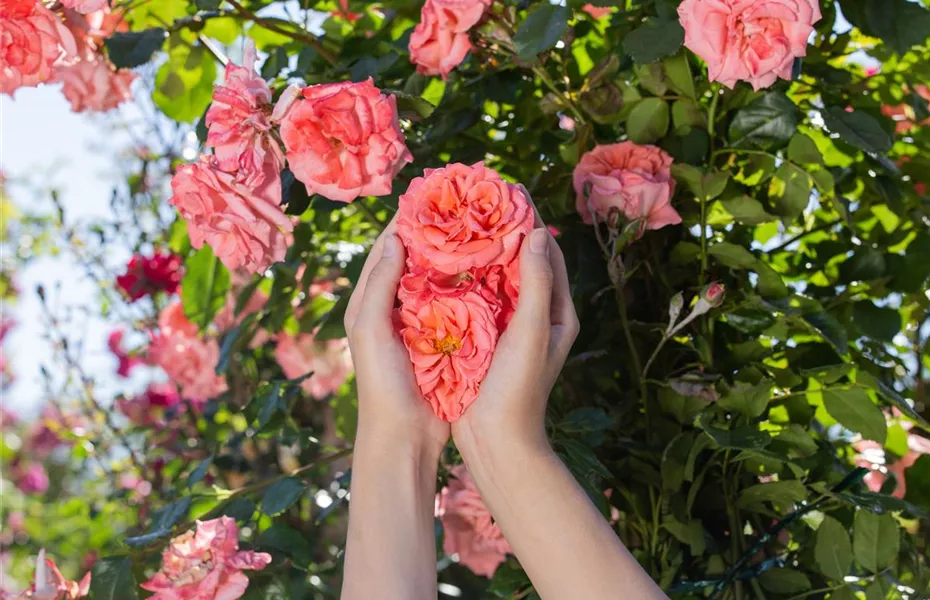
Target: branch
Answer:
pixel 299 35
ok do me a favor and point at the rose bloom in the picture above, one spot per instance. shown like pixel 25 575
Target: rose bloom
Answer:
pixel 635 180
pixel 328 360
pixel 342 139
pixel 450 341
pixel 245 226
pixel 239 124
pixel 903 114
pixel 871 455
pixel 84 6
pixel 434 49
pixel 126 362
pixel 187 359
pixel 146 276
pixel 469 531
pixel 459 218
pixel 149 408
pixel 94 85
pixel 205 565
pixel 33 40
pixel 227 318
pixel 50 584
pixel 30 479
pixel 750 40
pixel 597 12
pixel 91 29
pixel 459 15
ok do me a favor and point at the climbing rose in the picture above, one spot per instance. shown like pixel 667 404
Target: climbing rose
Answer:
pixel 239 124
pixel 84 6
pixel 459 15
pixel 32 42
pixel 91 29
pixel 469 531
pixel 635 180
pixel 328 360
pixel 596 12
pixel 127 362
pixel 31 478
pixel 458 218
pixel 187 359
pixel 342 139
pixel 205 565
pixel 434 49
pixel 245 226
pixel 146 276
pixel 750 40
pixel 50 584
pixel 94 86
pixel 450 341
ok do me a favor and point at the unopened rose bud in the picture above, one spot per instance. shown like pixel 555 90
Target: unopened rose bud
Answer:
pixel 714 293
pixel 674 309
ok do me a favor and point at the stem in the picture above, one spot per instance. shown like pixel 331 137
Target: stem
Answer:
pixel 712 115
pixel 301 35
pixel 629 336
pixel 820 591
pixel 703 276
pixel 544 76
pixel 369 215
pixel 205 318
pixel 655 353
pixel 821 227
pixel 717 153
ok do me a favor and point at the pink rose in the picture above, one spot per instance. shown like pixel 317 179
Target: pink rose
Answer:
pixel 596 12
pixel 903 114
pixel 127 362
pixel 328 360
pixel 187 359
pixel 239 124
pixel 635 180
pixel 750 40
pixel 459 218
pixel 205 565
pixel 50 584
pixel 245 226
pixel 872 455
pixel 227 318
pixel 469 531
pixel 450 341
pixel 30 479
pixel 148 409
pixel 436 50
pixel 84 6
pixel 459 15
pixel 94 86
pixel 342 139
pixel 33 41
pixel 90 30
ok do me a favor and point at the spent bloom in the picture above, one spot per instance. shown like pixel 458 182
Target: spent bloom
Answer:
pixel 205 564
pixel 33 41
pixel 748 40
pixel 148 275
pixel 469 531
pixel 342 139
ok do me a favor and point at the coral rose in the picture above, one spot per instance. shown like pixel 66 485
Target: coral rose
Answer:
pixel 91 29
pixel 33 41
pixel 459 15
pixel 450 341
pixel 187 359
pixel 342 139
pixel 750 40
pixel 328 360
pixel 635 180
pixel 596 12
pixel 434 49
pixel 239 124
pixel 94 86
pixel 146 276
pixel 459 218
pixel 84 6
pixel 469 530
pixel 245 226
pixel 206 564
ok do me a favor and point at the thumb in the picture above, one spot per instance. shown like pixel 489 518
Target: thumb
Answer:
pixel 381 288
pixel 535 281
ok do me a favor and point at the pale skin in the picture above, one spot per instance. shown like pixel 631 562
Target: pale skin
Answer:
pixel 562 541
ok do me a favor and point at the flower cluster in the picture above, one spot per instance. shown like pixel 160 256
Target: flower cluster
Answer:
pixel 749 40
pixel 148 275
pixel 440 41
pixel 35 40
pixel 462 227
pixel 469 531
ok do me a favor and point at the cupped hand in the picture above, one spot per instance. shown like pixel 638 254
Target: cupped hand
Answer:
pixel 390 406
pixel 511 407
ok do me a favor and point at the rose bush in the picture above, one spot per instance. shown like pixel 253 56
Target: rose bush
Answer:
pixel 739 189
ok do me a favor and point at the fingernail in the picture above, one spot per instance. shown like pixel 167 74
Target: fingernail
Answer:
pixel 390 246
pixel 539 241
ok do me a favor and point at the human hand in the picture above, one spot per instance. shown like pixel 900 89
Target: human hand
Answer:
pixel 511 407
pixel 390 405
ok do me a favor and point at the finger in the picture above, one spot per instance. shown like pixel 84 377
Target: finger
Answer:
pixel 381 286
pixel 564 318
pixel 374 255
pixel 537 222
pixel 533 306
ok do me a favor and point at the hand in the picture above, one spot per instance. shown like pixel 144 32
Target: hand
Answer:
pixel 511 407
pixel 390 405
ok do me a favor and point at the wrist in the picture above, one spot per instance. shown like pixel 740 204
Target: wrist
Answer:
pixel 389 445
pixel 488 451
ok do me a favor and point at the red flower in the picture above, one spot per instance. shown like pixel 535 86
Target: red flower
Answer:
pixel 147 275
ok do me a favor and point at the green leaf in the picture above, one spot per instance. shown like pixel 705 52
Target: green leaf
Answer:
pixel 880 323
pixel 783 580
pixel 900 23
pixel 918 483
pixel 133 48
pixel 281 495
pixel 770 283
pixel 509 579
pixel 782 493
pixel 648 121
pixel 654 40
pixel 832 551
pixel 331 326
pixel 541 30
pixel 876 540
pixel 830 328
pixel 204 287
pixel 741 438
pixel 163 521
pixel 410 106
pixel 678 72
pixel 288 541
pixel 767 123
pixel 112 579
pixel 804 151
pixel 855 411
pixel 198 474
pixel 588 424
pixel 790 190
pixel 733 256
pixel 750 400
pixel 746 210
pixel 857 128
pixel 865 264
pixel 691 533
pixel 184 83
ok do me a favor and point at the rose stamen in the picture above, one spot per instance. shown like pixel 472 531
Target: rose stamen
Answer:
pixel 447 345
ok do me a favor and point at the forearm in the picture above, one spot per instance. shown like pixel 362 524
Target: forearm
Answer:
pixel 564 543
pixel 391 546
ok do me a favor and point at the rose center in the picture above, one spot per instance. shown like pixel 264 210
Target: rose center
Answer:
pixel 447 345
